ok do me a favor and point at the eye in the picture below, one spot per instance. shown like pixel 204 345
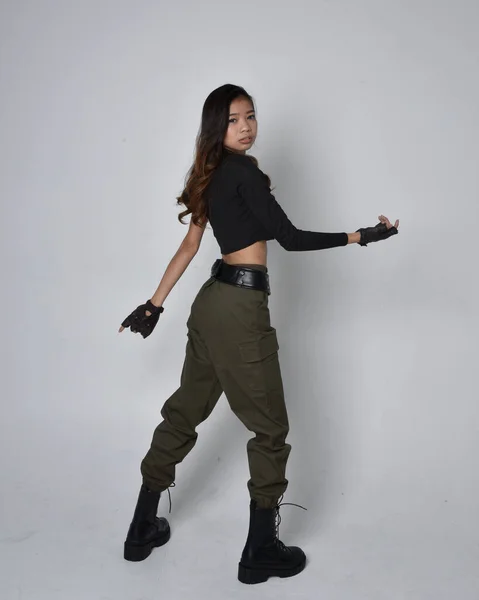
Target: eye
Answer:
pixel 250 117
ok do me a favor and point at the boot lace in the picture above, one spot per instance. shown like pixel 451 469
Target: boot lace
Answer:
pixel 169 495
pixel 277 522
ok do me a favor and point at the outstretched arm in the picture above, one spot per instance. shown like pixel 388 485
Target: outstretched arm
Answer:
pixel 254 189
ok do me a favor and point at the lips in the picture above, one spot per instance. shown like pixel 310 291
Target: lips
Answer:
pixel 246 139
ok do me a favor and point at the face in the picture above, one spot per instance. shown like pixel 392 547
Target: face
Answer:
pixel 242 124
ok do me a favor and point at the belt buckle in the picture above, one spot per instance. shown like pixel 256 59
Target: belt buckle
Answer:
pixel 240 277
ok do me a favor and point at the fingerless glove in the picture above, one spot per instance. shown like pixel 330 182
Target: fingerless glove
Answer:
pixel 139 321
pixel 375 234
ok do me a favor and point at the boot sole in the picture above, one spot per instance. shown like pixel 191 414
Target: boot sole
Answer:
pixel 137 553
pixel 250 575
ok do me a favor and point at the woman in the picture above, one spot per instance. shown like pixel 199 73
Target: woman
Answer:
pixel 232 347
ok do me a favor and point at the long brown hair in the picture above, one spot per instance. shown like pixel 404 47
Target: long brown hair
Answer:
pixel 209 151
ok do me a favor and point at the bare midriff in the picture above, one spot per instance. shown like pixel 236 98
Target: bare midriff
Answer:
pixel 255 254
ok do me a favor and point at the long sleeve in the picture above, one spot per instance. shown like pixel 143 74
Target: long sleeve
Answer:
pixel 254 189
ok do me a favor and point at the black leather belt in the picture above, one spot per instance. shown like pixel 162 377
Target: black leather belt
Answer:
pixel 244 277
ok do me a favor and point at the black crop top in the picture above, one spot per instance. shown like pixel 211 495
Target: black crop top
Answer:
pixel 242 210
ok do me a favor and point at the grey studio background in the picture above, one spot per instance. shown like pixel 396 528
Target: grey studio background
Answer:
pixel 364 108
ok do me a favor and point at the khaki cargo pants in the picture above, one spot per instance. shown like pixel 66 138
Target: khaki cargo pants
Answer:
pixel 231 348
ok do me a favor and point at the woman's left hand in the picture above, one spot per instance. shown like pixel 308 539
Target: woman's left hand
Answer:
pixel 385 220
pixel 382 231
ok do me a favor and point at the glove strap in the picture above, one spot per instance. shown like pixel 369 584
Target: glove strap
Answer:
pixel 361 240
pixel 152 308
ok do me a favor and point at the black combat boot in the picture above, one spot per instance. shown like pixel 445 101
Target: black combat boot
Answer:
pixel 146 531
pixel 264 555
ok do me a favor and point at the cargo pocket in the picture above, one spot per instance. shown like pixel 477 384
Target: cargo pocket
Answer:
pixel 257 350
pixel 260 365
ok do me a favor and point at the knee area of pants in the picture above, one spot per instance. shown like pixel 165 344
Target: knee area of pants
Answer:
pixel 275 442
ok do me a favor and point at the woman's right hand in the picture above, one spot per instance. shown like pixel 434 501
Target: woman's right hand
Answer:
pixel 143 319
